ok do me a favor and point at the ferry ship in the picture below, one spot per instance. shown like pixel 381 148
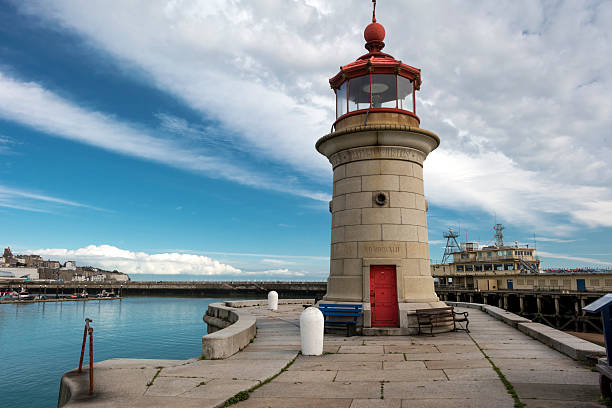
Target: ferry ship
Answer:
pixel 509 267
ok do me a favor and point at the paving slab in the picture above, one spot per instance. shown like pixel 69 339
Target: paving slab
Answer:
pixel 240 369
pixel 325 364
pixel 264 355
pixel 115 401
pixel 402 365
pixel 376 403
pixel 561 363
pixel 411 348
pixel 220 386
pixel 495 390
pixel 127 381
pixel 336 389
pixel 295 376
pixel 457 403
pixel 471 374
pixel 583 377
pixel 415 374
pixel 363 357
pixel 535 403
pixel 361 350
pixel 173 386
pixel 522 354
pixel 254 402
pixel 462 364
pixel 454 348
pixel 445 356
pixel 565 392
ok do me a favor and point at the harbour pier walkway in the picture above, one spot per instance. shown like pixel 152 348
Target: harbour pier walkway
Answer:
pixel 458 369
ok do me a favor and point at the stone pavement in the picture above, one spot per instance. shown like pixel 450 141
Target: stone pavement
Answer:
pixel 195 383
pixel 448 370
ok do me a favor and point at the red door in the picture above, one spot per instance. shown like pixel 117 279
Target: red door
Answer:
pixel 383 296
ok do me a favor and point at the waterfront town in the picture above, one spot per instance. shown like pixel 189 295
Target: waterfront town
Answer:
pixel 22 268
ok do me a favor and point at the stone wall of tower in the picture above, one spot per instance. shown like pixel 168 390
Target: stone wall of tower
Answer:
pixel 366 232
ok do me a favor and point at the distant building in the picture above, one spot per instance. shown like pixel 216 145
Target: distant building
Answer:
pixel 7 253
pixel 70 266
pixel 27 273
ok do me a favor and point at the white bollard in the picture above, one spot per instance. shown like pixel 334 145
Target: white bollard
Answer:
pixel 273 300
pixel 311 331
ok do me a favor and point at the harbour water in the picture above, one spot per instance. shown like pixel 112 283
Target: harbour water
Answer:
pixel 41 341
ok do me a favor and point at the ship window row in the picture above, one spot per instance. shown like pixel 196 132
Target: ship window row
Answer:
pixel 375 91
pixel 501 253
pixel 485 267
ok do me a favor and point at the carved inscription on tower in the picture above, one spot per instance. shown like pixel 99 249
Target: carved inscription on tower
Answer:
pixel 382 250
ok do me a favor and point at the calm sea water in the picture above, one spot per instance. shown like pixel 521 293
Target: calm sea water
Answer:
pixel 41 341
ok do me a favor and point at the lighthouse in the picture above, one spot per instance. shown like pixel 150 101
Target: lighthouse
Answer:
pixel 379 246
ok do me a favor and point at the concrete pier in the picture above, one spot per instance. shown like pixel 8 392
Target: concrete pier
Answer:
pixel 453 369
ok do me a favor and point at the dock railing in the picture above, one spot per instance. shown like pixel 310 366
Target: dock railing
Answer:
pixel 87 330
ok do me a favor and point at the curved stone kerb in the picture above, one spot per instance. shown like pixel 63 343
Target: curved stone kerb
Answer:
pixel 240 328
pixel 378 135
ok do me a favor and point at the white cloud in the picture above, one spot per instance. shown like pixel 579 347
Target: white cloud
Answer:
pixel 241 254
pixel 493 182
pixel 277 262
pixel 592 261
pixel 29 103
pixel 5 142
pixel 36 202
pixel 278 272
pixel 168 263
pixel 556 240
pixel 111 257
pixel 520 99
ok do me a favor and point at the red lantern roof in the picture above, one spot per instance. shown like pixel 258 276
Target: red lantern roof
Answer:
pixel 375 61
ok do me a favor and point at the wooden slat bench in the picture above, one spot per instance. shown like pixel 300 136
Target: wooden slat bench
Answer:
pixel 441 316
pixel 341 314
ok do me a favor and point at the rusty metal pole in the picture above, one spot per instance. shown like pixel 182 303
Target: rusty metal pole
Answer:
pixel 87 320
pixel 91 377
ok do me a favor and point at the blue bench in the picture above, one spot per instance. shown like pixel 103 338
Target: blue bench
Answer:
pixel 340 314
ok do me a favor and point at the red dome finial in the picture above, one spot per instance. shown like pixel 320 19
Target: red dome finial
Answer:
pixel 374 33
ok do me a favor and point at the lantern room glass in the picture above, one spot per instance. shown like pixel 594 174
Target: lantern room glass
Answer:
pixel 404 93
pixel 388 91
pixel 341 104
pixel 384 92
pixel 359 93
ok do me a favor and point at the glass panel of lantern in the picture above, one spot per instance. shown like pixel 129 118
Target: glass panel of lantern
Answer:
pixel 359 93
pixel 404 93
pixel 341 100
pixel 383 91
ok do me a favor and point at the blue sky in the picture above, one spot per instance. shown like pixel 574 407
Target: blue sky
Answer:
pixel 177 137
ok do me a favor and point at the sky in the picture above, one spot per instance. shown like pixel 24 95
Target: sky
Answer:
pixel 175 139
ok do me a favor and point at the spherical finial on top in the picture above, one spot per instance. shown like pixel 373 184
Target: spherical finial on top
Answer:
pixel 374 33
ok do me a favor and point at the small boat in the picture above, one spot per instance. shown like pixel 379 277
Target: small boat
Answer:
pixel 82 295
pixel 105 294
pixel 24 295
pixel 9 295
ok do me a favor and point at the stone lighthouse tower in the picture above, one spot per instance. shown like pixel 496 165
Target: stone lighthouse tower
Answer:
pixel 379 246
